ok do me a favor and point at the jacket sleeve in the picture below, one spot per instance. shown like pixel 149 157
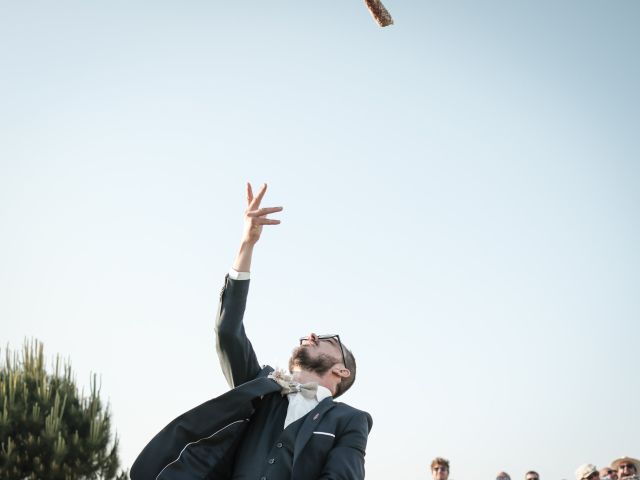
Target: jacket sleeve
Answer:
pixel 346 459
pixel 235 352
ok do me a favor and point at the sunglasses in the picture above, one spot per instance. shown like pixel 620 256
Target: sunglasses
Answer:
pixel 442 469
pixel 628 466
pixel 329 337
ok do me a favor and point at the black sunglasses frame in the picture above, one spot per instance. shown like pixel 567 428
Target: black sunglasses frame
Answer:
pixel 329 337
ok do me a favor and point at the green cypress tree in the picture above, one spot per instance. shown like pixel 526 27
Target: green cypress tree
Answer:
pixel 48 431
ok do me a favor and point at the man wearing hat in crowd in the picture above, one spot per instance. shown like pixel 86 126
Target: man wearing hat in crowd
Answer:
pixel 587 471
pixel 626 467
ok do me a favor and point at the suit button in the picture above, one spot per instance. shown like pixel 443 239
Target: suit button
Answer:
pixel 263 478
pixel 279 444
pixel 272 461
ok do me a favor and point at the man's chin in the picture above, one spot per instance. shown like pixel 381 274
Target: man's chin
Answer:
pixel 302 359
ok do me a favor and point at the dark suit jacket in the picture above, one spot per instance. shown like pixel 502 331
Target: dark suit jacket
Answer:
pixel 201 443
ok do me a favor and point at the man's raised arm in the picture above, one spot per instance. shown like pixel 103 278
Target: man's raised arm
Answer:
pixel 237 357
pixel 254 219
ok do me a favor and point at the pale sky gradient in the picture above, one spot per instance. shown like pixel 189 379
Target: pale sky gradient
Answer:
pixel 461 204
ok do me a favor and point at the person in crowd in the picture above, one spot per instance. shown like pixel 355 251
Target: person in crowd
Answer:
pixel 503 476
pixel 626 468
pixel 608 473
pixel 532 475
pixel 587 471
pixel 440 468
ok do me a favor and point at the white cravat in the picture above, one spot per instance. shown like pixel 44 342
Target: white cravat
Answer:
pixel 299 406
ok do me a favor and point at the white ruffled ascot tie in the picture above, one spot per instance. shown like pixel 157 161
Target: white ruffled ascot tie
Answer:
pixel 288 385
pixel 302 397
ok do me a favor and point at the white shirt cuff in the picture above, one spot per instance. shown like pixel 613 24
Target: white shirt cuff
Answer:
pixel 235 275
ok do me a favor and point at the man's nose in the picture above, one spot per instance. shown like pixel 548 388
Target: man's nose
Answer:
pixel 312 337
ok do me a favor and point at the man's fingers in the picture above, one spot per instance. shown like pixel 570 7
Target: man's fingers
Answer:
pixel 249 194
pixel 255 216
pixel 255 202
pixel 267 221
pixel 263 211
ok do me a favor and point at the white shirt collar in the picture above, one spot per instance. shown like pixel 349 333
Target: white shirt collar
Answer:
pixel 299 406
pixel 322 393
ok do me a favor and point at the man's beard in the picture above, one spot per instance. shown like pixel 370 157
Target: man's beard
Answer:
pixel 302 358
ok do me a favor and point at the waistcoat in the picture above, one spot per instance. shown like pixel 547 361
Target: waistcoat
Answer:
pixel 266 452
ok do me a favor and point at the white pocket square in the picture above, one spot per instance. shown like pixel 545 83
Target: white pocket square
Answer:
pixel 325 433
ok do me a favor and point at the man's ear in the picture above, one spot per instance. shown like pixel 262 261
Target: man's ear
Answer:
pixel 342 372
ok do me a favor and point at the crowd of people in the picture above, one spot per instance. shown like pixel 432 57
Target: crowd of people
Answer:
pixel 623 468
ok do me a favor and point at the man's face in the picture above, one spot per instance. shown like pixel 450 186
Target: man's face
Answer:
pixel 608 473
pixel 316 354
pixel 532 476
pixel 440 472
pixel 626 469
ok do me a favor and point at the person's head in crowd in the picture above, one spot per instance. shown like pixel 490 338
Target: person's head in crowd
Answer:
pixel 503 476
pixel 587 471
pixel 608 473
pixel 532 475
pixel 440 468
pixel 626 467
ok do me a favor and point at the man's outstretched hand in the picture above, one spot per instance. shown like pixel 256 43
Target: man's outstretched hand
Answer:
pixel 255 218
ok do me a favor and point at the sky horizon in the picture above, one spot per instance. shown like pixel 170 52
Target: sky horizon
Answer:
pixel 460 197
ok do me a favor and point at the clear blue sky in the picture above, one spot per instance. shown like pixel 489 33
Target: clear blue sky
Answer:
pixel 461 204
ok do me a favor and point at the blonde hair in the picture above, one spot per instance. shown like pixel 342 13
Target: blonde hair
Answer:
pixel 440 461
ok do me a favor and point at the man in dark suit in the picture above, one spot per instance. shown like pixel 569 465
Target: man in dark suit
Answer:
pixel 263 430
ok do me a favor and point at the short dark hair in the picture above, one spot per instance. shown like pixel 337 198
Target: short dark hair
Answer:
pixel 350 364
pixel 440 461
pixel 531 472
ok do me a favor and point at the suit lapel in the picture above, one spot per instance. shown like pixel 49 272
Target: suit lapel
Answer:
pixel 312 419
